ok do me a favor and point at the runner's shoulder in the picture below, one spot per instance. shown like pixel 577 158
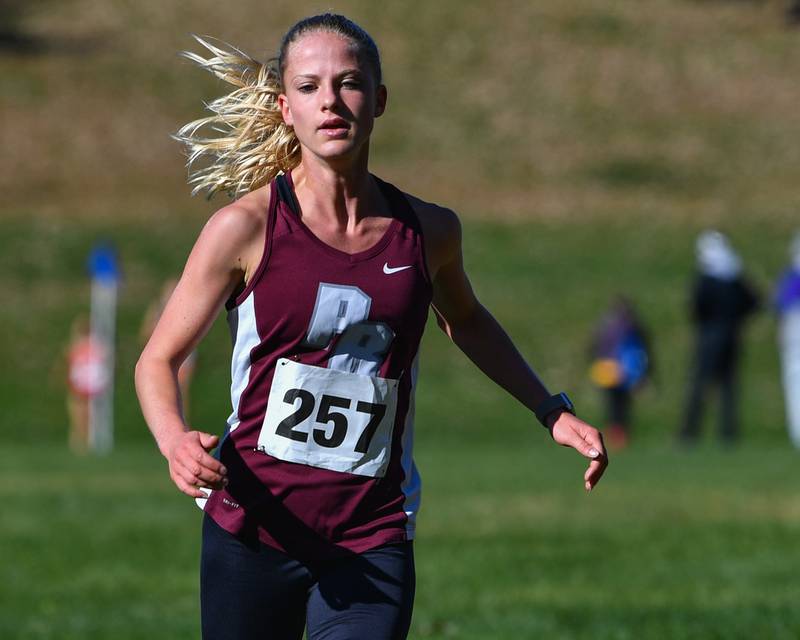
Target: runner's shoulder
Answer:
pixel 441 228
pixel 247 214
pixel 233 236
pixel 434 215
pixel 241 222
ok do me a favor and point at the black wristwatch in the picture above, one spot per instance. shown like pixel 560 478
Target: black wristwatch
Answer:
pixel 546 407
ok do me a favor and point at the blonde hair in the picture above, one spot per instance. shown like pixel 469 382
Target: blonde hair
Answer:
pixel 246 143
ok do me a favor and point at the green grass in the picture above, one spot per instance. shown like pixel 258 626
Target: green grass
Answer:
pixel 547 283
pixel 672 544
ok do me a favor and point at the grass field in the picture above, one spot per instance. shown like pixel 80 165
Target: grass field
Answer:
pixel 584 144
pixel 672 545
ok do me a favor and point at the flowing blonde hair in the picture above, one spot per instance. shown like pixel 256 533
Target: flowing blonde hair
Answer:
pixel 246 143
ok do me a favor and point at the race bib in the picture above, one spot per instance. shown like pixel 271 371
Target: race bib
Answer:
pixel 329 419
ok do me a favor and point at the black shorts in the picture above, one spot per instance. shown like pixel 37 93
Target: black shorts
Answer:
pixel 251 592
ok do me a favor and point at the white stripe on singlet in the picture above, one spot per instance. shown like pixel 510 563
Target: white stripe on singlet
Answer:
pixel 244 336
pixel 412 483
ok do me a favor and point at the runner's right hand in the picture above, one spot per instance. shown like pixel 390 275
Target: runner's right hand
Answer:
pixel 191 466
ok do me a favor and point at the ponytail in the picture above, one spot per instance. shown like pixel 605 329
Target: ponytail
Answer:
pixel 246 143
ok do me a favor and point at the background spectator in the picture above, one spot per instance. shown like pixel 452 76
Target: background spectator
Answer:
pixel 787 302
pixel 620 364
pixel 87 376
pixel 721 300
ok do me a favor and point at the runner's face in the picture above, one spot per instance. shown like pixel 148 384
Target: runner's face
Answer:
pixel 330 97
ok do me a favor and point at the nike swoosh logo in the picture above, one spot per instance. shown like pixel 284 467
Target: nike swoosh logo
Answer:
pixel 390 270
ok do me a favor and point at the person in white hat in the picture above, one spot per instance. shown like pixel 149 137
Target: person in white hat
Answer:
pixel 721 300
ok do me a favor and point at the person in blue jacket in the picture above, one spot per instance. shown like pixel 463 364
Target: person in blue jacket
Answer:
pixel 621 362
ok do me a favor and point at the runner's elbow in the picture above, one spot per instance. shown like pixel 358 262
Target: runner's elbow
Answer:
pixel 461 320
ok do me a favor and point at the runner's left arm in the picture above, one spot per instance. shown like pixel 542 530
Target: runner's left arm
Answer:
pixel 478 334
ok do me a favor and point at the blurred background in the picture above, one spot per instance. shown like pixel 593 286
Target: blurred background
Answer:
pixel 585 144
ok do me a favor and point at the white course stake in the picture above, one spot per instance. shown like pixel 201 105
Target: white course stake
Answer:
pixel 105 278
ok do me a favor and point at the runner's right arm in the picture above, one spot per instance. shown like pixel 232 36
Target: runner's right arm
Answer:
pixel 225 253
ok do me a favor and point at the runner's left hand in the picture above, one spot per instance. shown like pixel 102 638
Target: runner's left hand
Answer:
pixel 570 431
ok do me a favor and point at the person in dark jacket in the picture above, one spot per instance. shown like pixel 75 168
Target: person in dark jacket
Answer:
pixel 721 300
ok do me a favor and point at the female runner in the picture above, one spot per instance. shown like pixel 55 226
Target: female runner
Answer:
pixel 327 273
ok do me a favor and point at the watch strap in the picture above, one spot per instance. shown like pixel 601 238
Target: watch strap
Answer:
pixel 546 407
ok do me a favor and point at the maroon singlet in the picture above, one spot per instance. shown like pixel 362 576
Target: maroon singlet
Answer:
pixel 325 344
